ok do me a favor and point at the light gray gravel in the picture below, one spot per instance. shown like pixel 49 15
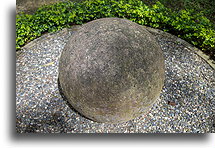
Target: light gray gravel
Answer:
pixel 186 104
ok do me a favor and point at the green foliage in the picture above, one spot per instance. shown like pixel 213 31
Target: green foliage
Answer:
pixel 193 27
pixel 206 6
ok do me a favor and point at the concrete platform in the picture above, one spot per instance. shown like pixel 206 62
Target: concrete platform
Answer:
pixel 186 104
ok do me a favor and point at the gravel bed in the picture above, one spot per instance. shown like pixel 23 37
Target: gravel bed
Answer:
pixel 186 104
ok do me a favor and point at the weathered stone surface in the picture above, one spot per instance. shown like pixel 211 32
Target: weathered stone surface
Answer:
pixel 111 70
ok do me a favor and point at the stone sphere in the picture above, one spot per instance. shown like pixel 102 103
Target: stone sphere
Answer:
pixel 111 70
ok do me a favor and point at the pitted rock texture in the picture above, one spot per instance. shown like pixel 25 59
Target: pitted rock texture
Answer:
pixel 111 70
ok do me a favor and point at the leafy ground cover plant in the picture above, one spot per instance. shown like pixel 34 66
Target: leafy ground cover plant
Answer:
pixel 207 7
pixel 186 24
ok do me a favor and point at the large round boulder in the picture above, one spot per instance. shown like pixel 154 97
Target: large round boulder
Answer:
pixel 111 70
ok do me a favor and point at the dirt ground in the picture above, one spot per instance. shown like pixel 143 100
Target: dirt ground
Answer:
pixel 29 6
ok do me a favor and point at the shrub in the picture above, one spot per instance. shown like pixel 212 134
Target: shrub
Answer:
pixel 194 28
